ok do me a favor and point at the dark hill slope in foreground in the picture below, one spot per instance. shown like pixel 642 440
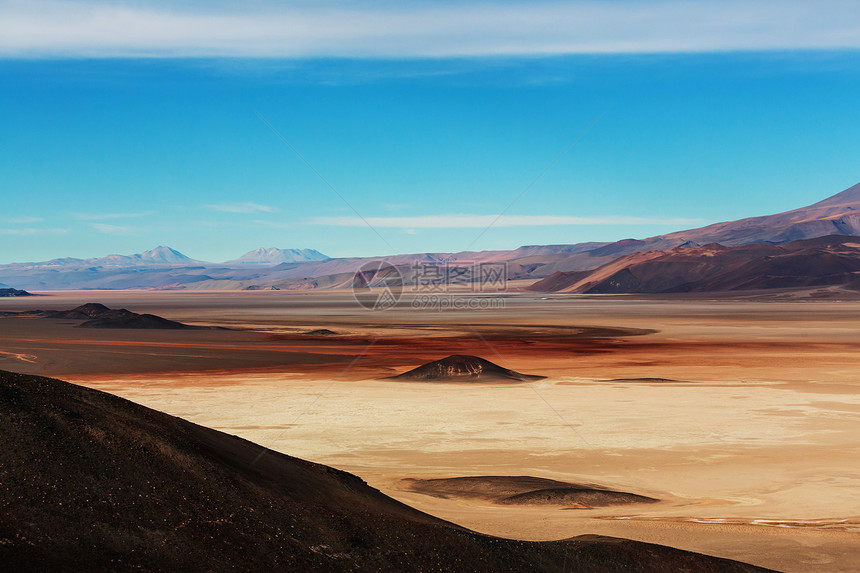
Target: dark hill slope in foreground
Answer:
pixel 93 482
pixel 820 262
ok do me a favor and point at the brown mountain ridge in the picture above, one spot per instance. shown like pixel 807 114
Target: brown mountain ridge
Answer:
pixel 819 262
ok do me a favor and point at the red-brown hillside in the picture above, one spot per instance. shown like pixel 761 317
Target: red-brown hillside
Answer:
pixel 823 261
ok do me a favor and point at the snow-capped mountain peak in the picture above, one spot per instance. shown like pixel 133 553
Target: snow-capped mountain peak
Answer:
pixel 275 256
pixel 163 255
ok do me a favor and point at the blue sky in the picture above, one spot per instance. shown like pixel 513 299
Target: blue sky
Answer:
pixel 115 139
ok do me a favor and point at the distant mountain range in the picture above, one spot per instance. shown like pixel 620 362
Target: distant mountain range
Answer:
pixel 300 269
pixel 166 256
pixel 819 262
pixel 837 215
pixel 161 267
pixel 159 256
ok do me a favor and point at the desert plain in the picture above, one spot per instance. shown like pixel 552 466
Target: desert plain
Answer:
pixel 742 416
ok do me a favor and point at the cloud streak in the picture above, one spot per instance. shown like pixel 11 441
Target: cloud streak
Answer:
pixel 463 221
pixel 109 216
pixel 30 231
pixel 103 29
pixel 241 208
pixel 111 229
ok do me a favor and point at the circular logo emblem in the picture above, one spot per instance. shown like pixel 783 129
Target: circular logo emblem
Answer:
pixel 377 285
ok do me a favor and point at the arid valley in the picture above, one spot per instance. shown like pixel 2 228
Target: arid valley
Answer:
pixel 428 287
pixel 740 416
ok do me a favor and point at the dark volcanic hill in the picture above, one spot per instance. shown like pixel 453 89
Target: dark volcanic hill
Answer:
pixel 13 292
pixel 320 332
pixel 98 315
pixel 524 490
pixel 820 262
pixel 138 321
pixel 463 368
pixel 87 311
pixel 92 482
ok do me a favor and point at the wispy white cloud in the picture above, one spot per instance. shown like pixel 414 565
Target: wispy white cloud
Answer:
pixel 29 231
pixel 483 221
pixel 274 224
pixel 108 216
pixel 24 220
pixel 111 229
pixel 242 208
pixel 395 206
pixel 105 28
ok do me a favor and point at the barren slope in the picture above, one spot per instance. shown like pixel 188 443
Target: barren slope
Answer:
pixel 94 482
pixel 824 261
